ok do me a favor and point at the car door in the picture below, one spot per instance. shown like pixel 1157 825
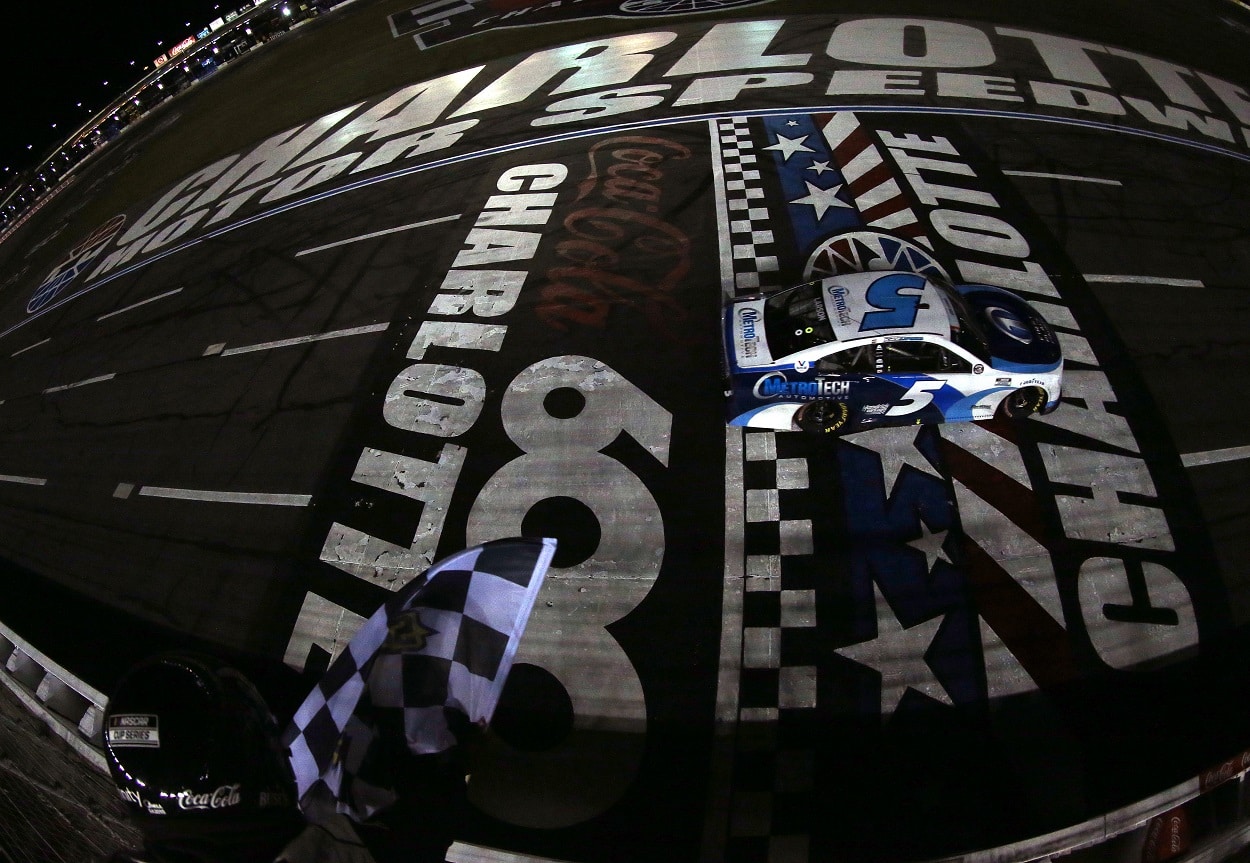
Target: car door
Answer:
pixel 853 375
pixel 934 383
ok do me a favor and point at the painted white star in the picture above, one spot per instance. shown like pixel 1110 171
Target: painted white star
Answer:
pixel 897 654
pixel 822 199
pixel 931 544
pixel 897 447
pixel 792 122
pixel 789 146
pixel 819 167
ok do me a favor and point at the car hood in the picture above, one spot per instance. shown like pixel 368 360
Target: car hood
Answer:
pixel 746 345
pixel 1019 338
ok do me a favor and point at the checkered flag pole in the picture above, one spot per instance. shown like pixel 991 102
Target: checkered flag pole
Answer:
pixel 446 641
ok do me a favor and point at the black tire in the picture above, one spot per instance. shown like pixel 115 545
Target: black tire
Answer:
pixel 1022 403
pixel 823 417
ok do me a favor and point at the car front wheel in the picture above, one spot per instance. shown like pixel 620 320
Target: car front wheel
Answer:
pixel 1022 403
pixel 823 417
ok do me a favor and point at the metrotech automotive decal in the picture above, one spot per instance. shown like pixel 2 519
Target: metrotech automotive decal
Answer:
pixel 955 569
pixel 439 21
pixel 513 404
pixel 686 71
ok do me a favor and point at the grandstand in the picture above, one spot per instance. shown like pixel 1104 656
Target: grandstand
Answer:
pixel 218 43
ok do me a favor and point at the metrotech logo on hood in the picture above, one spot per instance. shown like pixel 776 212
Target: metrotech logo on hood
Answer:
pixel 748 336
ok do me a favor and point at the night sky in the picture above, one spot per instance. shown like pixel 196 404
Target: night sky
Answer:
pixel 55 55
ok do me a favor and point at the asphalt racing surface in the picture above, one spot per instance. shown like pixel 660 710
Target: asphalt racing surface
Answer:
pixel 390 289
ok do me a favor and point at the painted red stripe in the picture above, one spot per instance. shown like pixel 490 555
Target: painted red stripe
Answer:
pixel 885 208
pixel 855 143
pixel 1013 499
pixel 1036 639
pixel 871 180
pixel 912 231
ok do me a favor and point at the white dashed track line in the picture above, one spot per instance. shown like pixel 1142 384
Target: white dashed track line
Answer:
pixel 212 496
pixel 1215 456
pixel 96 380
pixel 134 306
pixel 1165 281
pixel 30 347
pixel 299 340
pixel 23 480
pixel 381 233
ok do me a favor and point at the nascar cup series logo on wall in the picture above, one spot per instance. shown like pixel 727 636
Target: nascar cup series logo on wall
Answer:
pixel 78 259
pixel 133 730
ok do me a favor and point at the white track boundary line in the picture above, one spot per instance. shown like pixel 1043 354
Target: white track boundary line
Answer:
pixel 1042 175
pixel 716 819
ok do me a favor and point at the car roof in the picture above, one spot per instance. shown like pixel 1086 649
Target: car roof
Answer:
pixel 885 304
pixel 816 352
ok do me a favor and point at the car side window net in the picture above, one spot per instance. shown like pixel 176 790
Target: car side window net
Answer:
pixel 858 360
pixel 924 358
pixel 911 358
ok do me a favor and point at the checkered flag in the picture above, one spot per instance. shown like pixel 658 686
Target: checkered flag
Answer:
pixel 447 640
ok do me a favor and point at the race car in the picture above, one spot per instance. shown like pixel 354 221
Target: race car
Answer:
pixel 860 350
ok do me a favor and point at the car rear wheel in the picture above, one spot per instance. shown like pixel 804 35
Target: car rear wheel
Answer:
pixel 823 417
pixel 1022 403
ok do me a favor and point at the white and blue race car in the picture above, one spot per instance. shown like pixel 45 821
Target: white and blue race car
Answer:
pixel 860 350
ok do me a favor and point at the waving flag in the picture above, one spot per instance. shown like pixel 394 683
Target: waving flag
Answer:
pixel 447 640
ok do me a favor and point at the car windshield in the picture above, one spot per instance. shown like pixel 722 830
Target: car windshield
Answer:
pixel 795 320
pixel 964 329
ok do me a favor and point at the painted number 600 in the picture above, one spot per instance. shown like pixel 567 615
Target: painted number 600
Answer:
pixel 593 766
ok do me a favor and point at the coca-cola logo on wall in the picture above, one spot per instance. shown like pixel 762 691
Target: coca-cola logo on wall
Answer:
pixel 220 798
